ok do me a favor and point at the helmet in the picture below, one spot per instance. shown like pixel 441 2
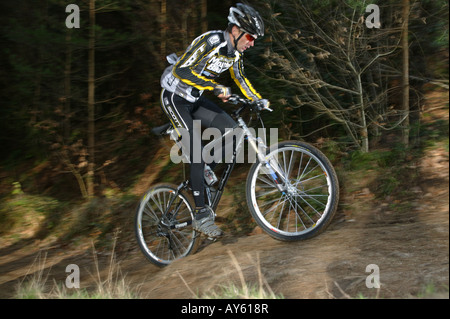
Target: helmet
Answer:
pixel 248 19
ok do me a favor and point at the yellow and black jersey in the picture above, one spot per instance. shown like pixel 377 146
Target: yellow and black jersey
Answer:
pixel 205 59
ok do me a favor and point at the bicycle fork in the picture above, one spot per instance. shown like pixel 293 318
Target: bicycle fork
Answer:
pixel 260 148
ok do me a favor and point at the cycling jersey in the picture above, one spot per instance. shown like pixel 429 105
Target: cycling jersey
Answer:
pixel 208 56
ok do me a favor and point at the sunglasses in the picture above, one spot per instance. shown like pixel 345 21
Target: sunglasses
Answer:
pixel 249 37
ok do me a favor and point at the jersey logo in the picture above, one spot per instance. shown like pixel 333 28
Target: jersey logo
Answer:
pixel 214 40
pixel 218 64
pixel 194 56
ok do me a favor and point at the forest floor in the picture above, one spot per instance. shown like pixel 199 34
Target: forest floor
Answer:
pixel 407 239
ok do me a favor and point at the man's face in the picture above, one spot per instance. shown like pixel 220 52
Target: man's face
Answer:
pixel 245 42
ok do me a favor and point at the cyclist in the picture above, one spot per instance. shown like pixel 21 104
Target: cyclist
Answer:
pixel 188 76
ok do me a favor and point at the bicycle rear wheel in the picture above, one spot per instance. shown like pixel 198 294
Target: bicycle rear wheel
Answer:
pixel 163 225
pixel 296 196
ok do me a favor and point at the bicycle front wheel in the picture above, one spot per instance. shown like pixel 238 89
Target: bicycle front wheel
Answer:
pixel 295 194
pixel 163 225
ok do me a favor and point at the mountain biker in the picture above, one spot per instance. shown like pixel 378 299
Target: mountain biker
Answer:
pixel 195 71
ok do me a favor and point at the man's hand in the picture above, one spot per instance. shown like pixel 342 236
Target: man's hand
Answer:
pixel 224 98
pixel 222 92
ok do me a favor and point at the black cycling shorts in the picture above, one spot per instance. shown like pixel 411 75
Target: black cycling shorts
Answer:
pixel 182 114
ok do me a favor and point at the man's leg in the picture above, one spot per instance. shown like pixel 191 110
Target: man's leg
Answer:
pixel 178 110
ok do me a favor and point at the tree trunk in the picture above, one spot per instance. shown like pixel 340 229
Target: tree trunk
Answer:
pixel 193 21
pixel 91 102
pixel 405 80
pixel 163 26
pixel 184 27
pixel 204 15
pixel 364 131
pixel 67 84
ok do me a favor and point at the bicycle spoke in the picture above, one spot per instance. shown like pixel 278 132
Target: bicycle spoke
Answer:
pixel 304 212
pixel 178 243
pixel 268 182
pixel 274 208
pixel 280 216
pixel 291 164
pixel 267 193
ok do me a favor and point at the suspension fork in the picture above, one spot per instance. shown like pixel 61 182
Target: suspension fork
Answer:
pixel 260 148
pixel 252 140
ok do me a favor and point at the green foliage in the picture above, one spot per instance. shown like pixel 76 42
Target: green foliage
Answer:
pixel 388 185
pixel 24 215
pixel 33 289
pixel 359 160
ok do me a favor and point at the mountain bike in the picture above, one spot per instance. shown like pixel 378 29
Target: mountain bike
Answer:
pixel 292 193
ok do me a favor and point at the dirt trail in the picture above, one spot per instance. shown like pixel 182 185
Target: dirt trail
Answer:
pixel 411 251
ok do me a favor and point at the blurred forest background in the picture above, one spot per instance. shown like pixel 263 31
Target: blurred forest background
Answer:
pixel 77 104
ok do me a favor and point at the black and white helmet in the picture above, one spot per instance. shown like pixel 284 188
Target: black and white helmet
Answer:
pixel 247 19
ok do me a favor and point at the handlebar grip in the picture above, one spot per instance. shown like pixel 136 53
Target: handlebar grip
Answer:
pixel 235 99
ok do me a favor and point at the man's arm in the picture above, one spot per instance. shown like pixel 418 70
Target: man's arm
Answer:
pixel 238 75
pixel 184 69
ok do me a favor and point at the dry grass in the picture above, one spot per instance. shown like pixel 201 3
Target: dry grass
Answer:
pixel 114 286
pixel 243 291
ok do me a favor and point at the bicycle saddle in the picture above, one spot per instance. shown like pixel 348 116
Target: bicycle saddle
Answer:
pixel 161 130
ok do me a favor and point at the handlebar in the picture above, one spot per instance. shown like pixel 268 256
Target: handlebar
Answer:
pixel 257 105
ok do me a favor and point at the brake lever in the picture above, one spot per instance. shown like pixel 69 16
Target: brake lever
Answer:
pixel 234 99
